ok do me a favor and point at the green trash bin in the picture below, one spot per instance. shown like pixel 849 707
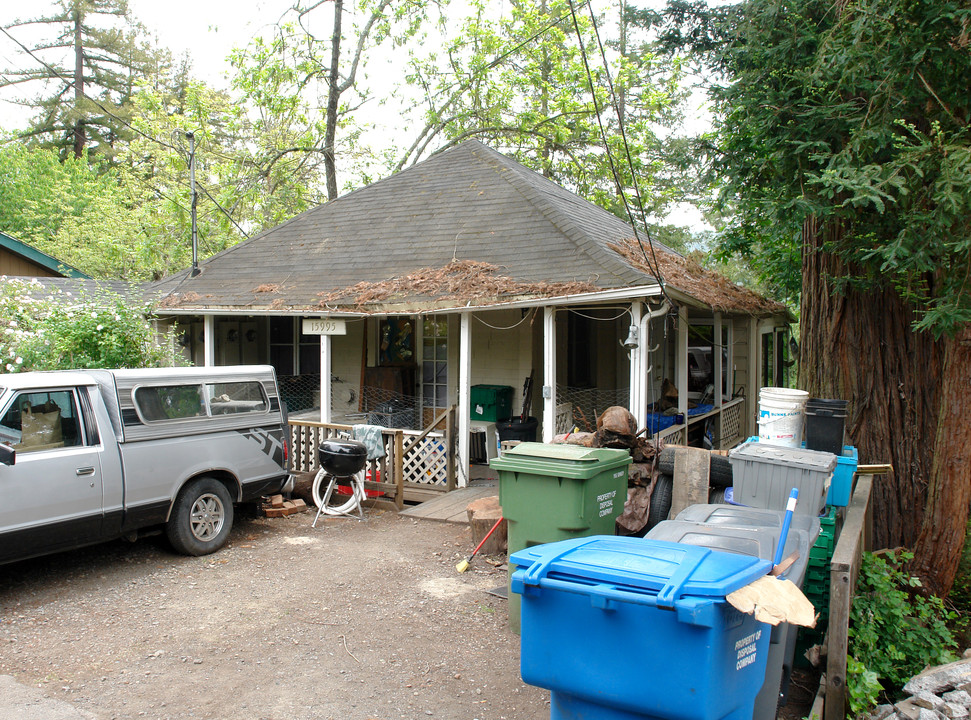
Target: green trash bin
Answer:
pixel 557 492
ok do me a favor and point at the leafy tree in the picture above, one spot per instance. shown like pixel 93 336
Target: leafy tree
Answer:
pixel 84 72
pixel 520 83
pixel 71 212
pixel 50 330
pixel 305 89
pixel 843 137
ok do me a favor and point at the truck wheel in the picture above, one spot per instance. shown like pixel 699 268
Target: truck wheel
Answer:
pixel 201 518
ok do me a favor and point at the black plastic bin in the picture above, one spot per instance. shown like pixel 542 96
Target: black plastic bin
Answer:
pixel 516 429
pixel 825 424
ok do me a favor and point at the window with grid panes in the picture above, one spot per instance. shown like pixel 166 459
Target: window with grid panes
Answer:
pixel 434 363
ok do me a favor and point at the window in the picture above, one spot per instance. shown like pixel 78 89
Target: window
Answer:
pixel 42 420
pixel 169 402
pixel 434 363
pixel 236 397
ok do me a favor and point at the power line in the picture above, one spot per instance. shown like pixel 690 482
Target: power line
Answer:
pixel 124 122
pixel 656 269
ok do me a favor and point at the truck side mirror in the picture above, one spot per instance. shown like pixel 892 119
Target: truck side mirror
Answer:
pixel 8 456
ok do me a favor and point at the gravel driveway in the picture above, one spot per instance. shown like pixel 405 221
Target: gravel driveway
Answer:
pixel 346 620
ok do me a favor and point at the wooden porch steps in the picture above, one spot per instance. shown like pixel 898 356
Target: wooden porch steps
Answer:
pixel 450 507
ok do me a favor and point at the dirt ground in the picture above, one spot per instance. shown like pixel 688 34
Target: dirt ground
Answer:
pixel 346 620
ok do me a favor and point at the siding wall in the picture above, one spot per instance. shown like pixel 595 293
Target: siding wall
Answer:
pixel 14 265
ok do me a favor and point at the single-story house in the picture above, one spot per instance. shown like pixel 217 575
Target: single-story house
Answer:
pixel 21 260
pixel 469 273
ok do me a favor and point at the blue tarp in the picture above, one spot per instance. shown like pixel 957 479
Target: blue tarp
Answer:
pixel 656 422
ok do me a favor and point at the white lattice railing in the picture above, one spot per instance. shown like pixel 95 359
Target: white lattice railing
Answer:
pixel 412 458
pixel 728 426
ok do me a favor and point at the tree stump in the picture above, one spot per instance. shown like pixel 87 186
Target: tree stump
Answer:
pixel 483 514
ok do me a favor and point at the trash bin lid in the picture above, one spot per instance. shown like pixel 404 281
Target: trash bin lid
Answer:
pixel 667 570
pixel 760 542
pixel 572 461
pixel 741 516
pixel 781 455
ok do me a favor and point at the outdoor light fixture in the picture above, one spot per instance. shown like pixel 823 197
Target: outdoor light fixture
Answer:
pixel 632 341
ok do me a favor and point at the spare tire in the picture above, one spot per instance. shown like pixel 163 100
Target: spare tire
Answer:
pixel 660 500
pixel 719 467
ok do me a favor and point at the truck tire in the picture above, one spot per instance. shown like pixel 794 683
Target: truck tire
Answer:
pixel 201 518
pixel 661 498
pixel 719 468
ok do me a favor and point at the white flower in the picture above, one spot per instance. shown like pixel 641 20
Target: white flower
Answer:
pixel 13 323
pixel 20 361
pixel 100 327
pixel 94 314
pixel 9 367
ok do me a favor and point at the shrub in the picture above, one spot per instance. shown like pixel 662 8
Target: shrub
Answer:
pixel 48 329
pixel 895 631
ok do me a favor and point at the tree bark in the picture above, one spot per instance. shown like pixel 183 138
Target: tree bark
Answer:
pixel 333 103
pixel 937 552
pixel 79 135
pixel 858 344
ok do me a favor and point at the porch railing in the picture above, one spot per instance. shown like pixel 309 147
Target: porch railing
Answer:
pixel 728 431
pixel 415 465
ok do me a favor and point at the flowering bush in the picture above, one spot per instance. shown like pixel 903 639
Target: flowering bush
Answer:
pixel 48 329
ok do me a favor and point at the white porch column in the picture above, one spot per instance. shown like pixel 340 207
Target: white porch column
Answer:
pixel 682 362
pixel 326 414
pixel 549 373
pixel 638 368
pixel 716 359
pixel 754 377
pixel 464 424
pixel 209 340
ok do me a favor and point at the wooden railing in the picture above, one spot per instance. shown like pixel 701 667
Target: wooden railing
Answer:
pixel 728 426
pixel 854 539
pixel 415 466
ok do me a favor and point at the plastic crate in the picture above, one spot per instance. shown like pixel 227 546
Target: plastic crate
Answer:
pixel 491 402
pixel 765 474
pixel 842 485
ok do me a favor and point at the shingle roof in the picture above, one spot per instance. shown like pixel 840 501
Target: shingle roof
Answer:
pixel 468 218
pixel 469 203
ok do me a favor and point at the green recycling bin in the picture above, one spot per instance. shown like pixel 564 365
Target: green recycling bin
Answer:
pixel 558 492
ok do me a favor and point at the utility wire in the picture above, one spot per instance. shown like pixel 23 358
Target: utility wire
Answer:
pixel 124 122
pixel 610 159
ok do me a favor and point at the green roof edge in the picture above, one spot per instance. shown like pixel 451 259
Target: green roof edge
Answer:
pixel 40 258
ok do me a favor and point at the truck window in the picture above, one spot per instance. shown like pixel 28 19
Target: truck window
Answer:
pixel 169 402
pixel 41 420
pixel 236 397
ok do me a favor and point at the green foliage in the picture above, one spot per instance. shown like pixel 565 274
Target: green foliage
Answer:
pixel 47 329
pixel 853 114
pixel 518 82
pixel 895 631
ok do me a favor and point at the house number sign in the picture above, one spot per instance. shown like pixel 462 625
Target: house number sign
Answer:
pixel 324 326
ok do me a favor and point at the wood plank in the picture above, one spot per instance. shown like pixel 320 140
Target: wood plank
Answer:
pixel 844 569
pixel 450 507
pixel 691 468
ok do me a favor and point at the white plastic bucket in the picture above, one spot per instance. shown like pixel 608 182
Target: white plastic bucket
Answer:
pixel 782 412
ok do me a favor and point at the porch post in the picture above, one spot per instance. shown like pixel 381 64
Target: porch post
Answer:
pixel 754 377
pixel 465 385
pixel 549 374
pixel 682 363
pixel 209 341
pixel 326 414
pixel 638 374
pixel 716 358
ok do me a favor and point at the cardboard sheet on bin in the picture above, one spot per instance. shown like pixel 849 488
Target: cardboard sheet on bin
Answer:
pixel 773 601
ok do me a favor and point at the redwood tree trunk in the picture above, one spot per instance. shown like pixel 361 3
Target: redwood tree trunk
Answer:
pixel 938 548
pixel 333 103
pixel 857 343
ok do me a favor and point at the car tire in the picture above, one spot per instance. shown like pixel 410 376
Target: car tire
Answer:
pixel 665 461
pixel 720 471
pixel 201 518
pixel 660 500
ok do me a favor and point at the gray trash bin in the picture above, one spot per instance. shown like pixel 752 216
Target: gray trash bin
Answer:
pixel 755 534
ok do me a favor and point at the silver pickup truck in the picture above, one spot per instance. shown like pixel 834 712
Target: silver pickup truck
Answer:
pixel 93 455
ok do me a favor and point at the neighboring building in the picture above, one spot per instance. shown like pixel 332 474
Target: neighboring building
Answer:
pixel 20 259
pixel 469 269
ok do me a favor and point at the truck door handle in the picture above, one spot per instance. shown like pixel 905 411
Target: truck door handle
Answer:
pixel 84 471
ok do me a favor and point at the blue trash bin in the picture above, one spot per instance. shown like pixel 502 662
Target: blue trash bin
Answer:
pixel 624 628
